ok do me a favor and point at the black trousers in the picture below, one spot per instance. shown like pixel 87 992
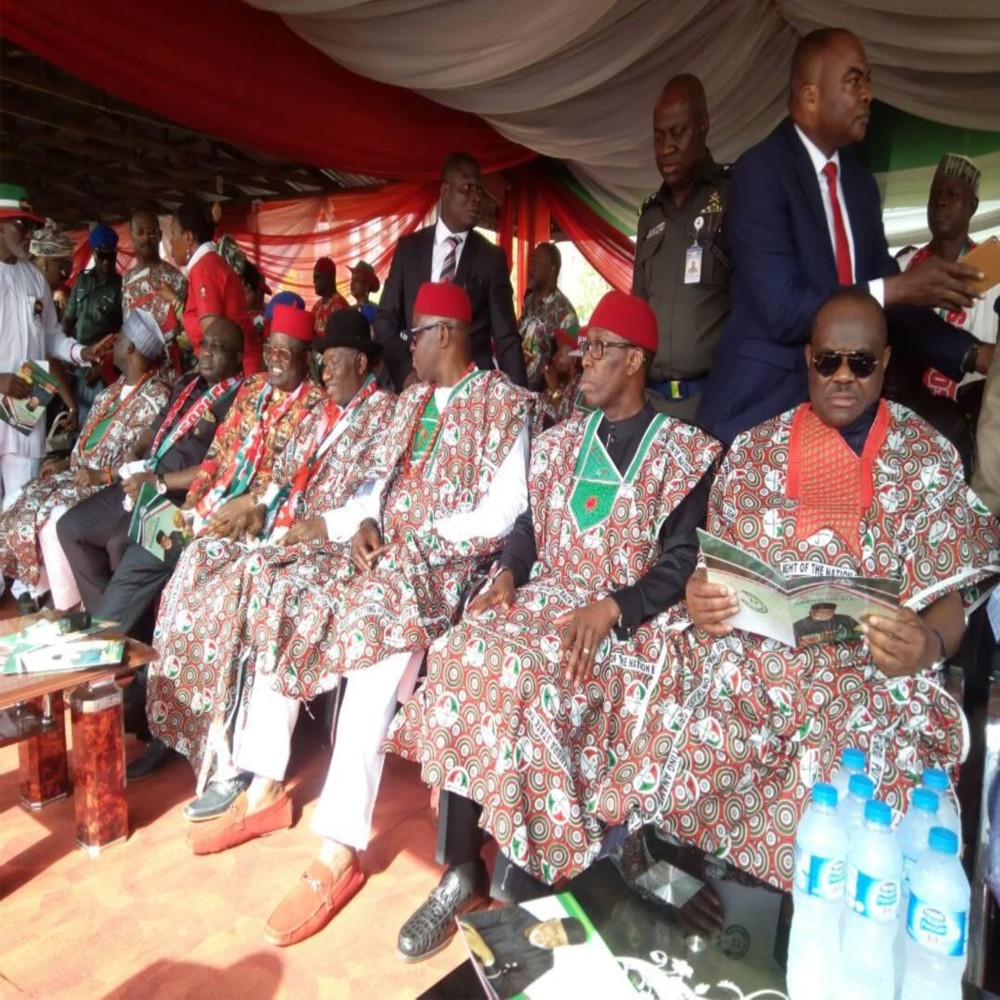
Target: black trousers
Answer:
pixel 460 841
pixel 118 579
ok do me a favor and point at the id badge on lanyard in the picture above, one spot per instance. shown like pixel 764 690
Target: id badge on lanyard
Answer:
pixel 693 257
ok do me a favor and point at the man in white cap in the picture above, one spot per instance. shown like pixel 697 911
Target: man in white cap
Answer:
pixel 29 330
pixel 951 204
pixel 119 415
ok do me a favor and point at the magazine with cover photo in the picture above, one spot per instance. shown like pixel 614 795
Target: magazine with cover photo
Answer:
pixel 23 414
pixel 542 950
pixel 159 525
pixel 796 610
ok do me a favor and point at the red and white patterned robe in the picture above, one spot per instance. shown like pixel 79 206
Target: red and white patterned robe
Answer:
pixel 496 720
pixel 739 728
pixel 20 556
pixel 206 648
pixel 309 630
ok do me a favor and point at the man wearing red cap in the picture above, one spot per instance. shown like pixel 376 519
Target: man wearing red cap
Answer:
pixel 268 409
pixel 528 698
pixel 330 300
pixel 448 485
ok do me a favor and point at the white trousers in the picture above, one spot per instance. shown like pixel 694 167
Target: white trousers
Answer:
pixel 345 807
pixel 57 574
pixel 15 472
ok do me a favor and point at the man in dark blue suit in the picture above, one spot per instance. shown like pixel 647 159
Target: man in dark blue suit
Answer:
pixel 803 219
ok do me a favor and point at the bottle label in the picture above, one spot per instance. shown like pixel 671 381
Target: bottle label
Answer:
pixel 875 898
pixel 940 931
pixel 822 877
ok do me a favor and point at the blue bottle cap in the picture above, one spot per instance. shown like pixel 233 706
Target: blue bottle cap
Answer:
pixel 861 785
pixel 878 813
pixel 924 798
pixel 935 778
pixel 943 841
pixel 824 795
pixel 853 758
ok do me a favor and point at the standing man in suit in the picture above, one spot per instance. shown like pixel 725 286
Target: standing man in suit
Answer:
pixel 804 218
pixel 452 250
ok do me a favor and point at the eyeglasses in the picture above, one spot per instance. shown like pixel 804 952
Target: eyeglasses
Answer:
pixel 413 334
pixel 861 363
pixel 468 189
pixel 596 348
pixel 280 354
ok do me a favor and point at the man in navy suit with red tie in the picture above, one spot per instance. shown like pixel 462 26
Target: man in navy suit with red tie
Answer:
pixel 452 250
pixel 804 218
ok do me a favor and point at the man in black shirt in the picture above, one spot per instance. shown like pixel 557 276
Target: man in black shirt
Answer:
pixel 527 698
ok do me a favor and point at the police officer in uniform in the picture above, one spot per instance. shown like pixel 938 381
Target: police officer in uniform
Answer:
pixel 682 255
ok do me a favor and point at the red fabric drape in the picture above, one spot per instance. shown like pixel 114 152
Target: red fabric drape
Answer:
pixel 229 70
pixel 539 194
pixel 285 238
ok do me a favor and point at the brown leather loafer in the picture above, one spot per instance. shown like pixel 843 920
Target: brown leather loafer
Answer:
pixel 235 827
pixel 313 903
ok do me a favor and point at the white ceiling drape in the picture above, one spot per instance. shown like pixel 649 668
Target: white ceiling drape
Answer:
pixel 577 79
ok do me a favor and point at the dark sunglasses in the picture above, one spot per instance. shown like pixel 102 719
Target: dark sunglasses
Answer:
pixel 105 254
pixel 861 363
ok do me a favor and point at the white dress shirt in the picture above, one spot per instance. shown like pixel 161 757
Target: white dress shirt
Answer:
pixel 441 247
pixel 877 285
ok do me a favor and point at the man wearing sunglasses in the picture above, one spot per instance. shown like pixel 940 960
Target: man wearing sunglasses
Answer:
pixel 94 310
pixel 451 250
pixel 844 484
pixel 527 698
pixel 805 218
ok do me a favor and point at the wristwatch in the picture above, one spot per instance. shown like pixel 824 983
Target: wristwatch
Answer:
pixel 161 485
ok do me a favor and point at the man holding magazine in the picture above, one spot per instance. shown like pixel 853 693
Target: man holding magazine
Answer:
pixel 742 725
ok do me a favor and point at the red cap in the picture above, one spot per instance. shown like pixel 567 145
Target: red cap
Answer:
pixel 444 299
pixel 325 266
pixel 627 316
pixel 293 322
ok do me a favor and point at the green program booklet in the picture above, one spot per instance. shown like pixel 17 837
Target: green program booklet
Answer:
pixel 796 610
pixel 159 526
pixel 23 414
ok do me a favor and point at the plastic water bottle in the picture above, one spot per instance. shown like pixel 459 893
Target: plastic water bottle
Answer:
pixel 913 837
pixel 852 761
pixel 937 781
pixel 818 892
pixel 936 922
pixel 860 788
pixel 874 873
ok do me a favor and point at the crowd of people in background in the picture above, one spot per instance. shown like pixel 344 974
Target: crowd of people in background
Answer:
pixel 491 520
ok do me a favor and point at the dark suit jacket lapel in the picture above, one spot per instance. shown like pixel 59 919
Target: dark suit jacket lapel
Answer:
pixel 467 262
pixel 425 254
pixel 808 186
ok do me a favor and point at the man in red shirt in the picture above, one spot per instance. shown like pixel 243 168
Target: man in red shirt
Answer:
pixel 325 286
pixel 214 288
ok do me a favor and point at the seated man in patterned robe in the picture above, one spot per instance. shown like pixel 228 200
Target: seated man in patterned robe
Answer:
pixel 740 726
pixel 205 632
pixel 452 481
pixel 118 416
pixel 530 699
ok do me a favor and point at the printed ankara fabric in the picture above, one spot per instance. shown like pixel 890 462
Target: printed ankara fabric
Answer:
pixel 111 430
pixel 738 729
pixel 311 629
pixel 496 720
pixel 199 688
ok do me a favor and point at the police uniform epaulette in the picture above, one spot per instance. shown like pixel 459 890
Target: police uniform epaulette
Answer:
pixel 649 201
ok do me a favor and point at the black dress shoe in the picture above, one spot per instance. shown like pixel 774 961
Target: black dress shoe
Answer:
pixel 26 604
pixel 156 754
pixel 462 888
pixel 216 799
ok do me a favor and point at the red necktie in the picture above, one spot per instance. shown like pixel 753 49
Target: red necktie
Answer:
pixel 845 270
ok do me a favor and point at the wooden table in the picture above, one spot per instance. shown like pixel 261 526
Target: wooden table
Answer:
pixel 32 714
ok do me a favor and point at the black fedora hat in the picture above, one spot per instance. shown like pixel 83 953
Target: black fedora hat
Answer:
pixel 348 328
